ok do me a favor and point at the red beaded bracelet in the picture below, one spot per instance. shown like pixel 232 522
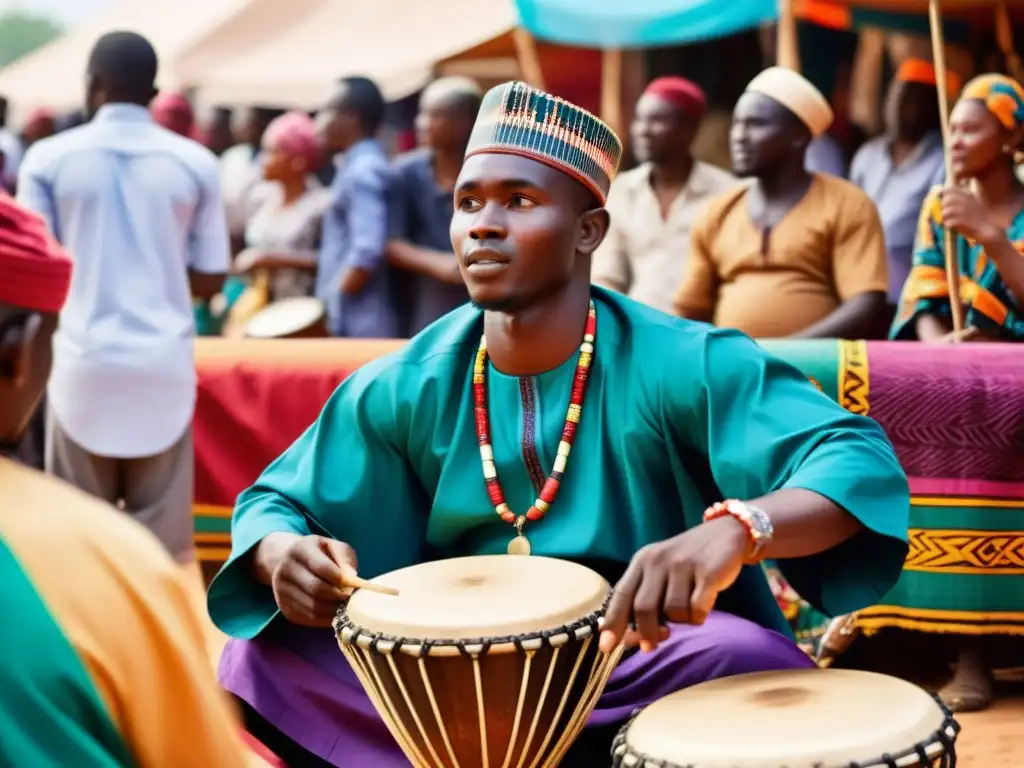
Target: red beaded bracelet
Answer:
pixel 722 509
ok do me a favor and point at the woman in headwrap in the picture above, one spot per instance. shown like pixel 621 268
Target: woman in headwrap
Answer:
pixel 174 112
pixel 985 209
pixel 283 234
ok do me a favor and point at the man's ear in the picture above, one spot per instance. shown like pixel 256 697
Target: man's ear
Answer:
pixel 593 228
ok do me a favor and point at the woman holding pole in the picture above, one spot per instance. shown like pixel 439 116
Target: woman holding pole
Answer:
pixel 984 212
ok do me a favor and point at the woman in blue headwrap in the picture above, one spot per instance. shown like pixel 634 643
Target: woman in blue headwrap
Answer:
pixel 986 132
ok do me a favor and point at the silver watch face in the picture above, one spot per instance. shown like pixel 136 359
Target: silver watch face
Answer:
pixel 760 522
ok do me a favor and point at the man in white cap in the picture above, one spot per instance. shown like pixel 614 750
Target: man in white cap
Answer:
pixel 790 253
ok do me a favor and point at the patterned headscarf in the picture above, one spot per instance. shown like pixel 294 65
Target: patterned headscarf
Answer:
pixel 294 134
pixel 1002 96
pixel 520 120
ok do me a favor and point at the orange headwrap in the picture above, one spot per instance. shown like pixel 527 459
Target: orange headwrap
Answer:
pixel 35 273
pixel 914 70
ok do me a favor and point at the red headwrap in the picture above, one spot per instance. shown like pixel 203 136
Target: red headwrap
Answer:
pixel 35 273
pixel 173 111
pixel 681 93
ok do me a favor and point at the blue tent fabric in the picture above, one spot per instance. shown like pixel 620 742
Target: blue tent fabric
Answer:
pixel 640 23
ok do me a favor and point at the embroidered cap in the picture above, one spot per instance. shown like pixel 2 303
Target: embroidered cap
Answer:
pixel 517 119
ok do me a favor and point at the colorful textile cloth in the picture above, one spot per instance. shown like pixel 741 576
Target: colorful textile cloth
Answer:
pixel 990 306
pixel 103 657
pixel 677 415
pixel 954 417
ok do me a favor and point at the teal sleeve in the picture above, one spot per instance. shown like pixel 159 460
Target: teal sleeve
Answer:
pixel 346 477
pixel 764 427
pixel 50 711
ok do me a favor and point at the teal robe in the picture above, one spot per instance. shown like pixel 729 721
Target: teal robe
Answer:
pixel 677 415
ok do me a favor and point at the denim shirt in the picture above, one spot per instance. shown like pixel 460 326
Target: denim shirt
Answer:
pixel 354 235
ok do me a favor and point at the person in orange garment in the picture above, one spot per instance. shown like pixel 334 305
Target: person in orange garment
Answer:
pixel 103 659
pixel 789 253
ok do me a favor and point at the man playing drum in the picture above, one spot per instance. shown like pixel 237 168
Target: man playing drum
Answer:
pixel 442 450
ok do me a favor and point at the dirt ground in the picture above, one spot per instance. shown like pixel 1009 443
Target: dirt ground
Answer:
pixel 992 739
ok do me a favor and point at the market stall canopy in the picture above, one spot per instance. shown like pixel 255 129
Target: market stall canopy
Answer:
pixel 395 42
pixel 253 25
pixel 908 15
pixel 54 75
pixel 640 23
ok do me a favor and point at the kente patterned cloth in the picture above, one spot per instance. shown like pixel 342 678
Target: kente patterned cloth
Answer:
pixel 952 413
pixel 519 120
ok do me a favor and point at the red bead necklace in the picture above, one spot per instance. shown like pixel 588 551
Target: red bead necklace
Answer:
pixel 520 545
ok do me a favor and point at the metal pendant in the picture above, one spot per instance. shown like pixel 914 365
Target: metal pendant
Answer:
pixel 520 545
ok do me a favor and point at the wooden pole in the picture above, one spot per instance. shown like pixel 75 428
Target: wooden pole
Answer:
pixel 611 89
pixel 1004 39
pixel 529 60
pixel 939 54
pixel 787 48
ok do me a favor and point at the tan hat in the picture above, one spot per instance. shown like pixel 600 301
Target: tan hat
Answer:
pixel 795 93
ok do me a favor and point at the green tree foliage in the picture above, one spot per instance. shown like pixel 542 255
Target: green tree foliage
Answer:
pixel 21 33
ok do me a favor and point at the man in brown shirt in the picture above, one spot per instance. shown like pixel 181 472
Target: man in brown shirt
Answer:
pixel 654 206
pixel 789 253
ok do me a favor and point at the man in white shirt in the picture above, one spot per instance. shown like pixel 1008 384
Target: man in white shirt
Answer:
pixel 140 210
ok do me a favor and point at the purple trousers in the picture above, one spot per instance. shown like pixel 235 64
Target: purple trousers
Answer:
pixel 300 682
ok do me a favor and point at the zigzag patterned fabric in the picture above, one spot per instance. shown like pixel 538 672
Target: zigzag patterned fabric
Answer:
pixel 517 119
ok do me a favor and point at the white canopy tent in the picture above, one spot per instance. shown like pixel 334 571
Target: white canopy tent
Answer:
pixel 54 75
pixel 395 42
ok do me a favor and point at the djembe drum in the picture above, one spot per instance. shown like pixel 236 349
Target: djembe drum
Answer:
pixel 481 661
pixel 808 718
pixel 301 317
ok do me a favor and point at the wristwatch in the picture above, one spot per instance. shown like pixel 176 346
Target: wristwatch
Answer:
pixel 755 520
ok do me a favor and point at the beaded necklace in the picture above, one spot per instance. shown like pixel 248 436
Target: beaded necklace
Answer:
pixel 520 545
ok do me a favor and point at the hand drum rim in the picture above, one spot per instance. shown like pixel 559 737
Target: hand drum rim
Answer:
pixel 285 318
pixel 856 718
pixel 494 602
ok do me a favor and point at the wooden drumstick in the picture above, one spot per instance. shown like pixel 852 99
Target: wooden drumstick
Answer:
pixel 350 581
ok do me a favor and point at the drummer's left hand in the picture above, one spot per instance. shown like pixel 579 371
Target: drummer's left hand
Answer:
pixel 678 580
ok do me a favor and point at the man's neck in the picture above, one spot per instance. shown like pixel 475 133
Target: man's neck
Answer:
pixel 785 182
pixel 447 166
pixel 674 174
pixel 539 338
pixel 901 147
pixel 294 188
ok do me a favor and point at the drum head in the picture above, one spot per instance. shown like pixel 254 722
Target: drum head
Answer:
pixel 285 318
pixel 479 597
pixel 802 719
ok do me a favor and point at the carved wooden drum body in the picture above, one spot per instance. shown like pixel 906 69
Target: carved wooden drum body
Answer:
pixel 481 662
pixel 808 718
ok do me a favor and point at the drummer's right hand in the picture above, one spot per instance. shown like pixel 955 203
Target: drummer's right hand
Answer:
pixel 306 574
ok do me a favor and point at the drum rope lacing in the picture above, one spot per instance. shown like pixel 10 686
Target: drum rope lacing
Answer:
pixel 416 734
pixel 946 734
pixel 342 622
